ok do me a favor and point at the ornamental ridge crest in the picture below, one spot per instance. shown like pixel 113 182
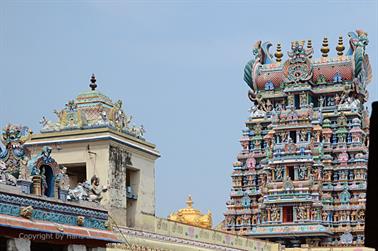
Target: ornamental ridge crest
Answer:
pixel 298 67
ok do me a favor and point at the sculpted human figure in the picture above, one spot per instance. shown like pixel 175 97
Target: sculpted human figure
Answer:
pixel 47 124
pixel 61 116
pixel 301 213
pixel 279 173
pixel 63 179
pixel 324 215
pixel 138 131
pixel 361 215
pixel 314 214
pixel 275 214
pixel 258 101
pixel 95 191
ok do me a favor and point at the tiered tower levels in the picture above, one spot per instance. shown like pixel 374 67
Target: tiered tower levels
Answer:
pixel 301 175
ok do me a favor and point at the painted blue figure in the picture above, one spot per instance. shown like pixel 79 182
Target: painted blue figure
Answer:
pixel 302 151
pixel 246 201
pixel 256 181
pixel 46 155
pixel 337 78
pixel 330 216
pixel 3 151
pixel 334 139
pixel 269 86
pixel 345 196
pixel 245 181
pixel 351 175
pixel 264 144
pixel 349 138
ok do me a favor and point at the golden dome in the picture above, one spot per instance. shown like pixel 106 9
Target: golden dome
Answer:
pixel 192 216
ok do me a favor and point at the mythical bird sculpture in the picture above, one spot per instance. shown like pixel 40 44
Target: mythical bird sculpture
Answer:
pixel 362 68
pixel 261 56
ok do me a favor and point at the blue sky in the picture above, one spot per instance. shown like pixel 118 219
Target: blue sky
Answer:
pixel 177 65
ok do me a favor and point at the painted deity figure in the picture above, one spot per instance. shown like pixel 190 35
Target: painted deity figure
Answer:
pixel 324 216
pixel 48 125
pixel 5 176
pixel 314 214
pixel 345 195
pixel 120 120
pixel 361 215
pixel 262 105
pixel 12 152
pixel 279 173
pixel 302 172
pixel 63 179
pixel 255 112
pixel 61 114
pixel 275 214
pixel 138 131
pixel 303 135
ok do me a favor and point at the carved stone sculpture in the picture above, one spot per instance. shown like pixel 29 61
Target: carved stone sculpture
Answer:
pixel 26 212
pixel 95 191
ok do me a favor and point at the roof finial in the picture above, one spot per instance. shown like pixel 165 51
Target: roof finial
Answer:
pixel 93 84
pixel 325 49
pixel 340 47
pixel 278 53
pixel 189 202
pixel 309 46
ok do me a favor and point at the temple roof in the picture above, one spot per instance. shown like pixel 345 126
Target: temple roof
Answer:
pixel 92 109
pixel 264 73
pixel 192 216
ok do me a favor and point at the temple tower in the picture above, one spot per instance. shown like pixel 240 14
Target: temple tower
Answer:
pixel 301 175
pixel 95 137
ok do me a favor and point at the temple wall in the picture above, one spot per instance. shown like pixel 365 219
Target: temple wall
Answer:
pixel 115 164
pixel 162 234
pixel 331 249
pixel 146 186
pixel 96 161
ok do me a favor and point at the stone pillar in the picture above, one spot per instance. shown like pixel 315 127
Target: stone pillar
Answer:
pixel 75 247
pixel 37 185
pixel 56 189
pixel 18 245
pixel 97 249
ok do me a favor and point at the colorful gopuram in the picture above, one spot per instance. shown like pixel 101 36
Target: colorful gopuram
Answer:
pixel 300 177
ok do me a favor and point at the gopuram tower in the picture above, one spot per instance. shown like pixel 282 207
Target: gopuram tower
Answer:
pixel 300 177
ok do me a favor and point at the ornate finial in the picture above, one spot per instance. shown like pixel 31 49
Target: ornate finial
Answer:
pixel 191 216
pixel 189 202
pixel 325 48
pixel 93 84
pixel 340 46
pixel 278 53
pixel 309 46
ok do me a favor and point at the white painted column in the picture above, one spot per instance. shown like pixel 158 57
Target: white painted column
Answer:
pixel 97 249
pixel 74 247
pixel 18 245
